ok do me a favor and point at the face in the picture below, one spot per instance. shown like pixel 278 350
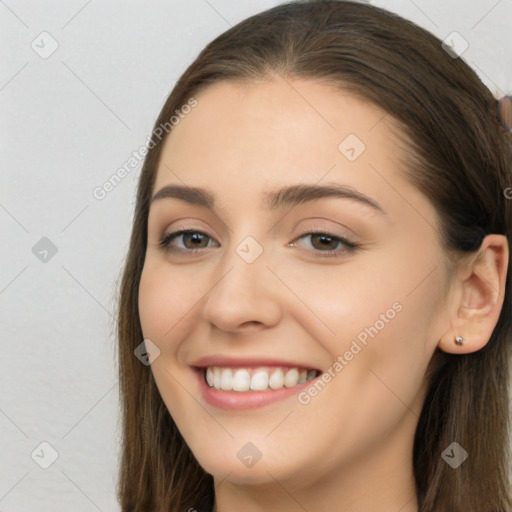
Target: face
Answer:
pixel 261 284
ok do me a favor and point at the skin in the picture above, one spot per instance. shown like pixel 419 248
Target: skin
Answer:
pixel 350 447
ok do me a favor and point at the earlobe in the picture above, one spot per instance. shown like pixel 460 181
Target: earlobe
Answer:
pixel 482 284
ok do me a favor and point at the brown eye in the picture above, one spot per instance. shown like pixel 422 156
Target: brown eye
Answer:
pixel 327 244
pixel 192 240
pixel 195 239
pixel 322 241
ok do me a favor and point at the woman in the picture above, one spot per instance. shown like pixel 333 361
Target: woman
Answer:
pixel 319 269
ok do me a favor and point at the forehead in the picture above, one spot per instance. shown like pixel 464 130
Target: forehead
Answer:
pixel 242 139
pixel 275 126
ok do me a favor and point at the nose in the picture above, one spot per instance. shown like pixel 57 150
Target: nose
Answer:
pixel 243 295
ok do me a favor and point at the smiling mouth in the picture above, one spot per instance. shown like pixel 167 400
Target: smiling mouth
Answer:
pixel 256 379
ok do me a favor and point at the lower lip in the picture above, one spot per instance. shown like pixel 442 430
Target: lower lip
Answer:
pixel 239 400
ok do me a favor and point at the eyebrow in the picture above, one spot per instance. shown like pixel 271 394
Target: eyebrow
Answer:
pixel 290 195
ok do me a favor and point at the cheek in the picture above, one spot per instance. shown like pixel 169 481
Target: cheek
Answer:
pixel 340 303
pixel 382 312
pixel 396 331
pixel 165 298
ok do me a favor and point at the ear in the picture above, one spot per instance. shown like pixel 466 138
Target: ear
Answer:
pixel 480 291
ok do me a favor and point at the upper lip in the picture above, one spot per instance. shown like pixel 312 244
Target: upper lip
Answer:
pixel 247 362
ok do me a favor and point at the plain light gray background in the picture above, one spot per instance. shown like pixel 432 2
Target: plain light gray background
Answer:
pixel 68 121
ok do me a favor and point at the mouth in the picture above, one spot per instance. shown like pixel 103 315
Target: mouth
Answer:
pixel 263 378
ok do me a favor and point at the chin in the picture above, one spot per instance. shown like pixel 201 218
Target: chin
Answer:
pixel 228 467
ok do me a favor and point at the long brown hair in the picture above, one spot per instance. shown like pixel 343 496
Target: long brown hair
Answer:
pixel 458 155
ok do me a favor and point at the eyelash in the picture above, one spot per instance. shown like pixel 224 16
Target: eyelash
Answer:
pixel 350 246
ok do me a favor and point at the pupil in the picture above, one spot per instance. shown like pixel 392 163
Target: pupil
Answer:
pixel 196 237
pixel 324 238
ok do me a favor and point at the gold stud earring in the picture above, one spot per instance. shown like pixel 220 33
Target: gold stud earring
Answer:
pixel 459 340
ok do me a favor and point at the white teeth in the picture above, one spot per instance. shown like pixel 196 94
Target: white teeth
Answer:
pixel 226 380
pixel 291 378
pixel 216 377
pixel 209 376
pixel 276 381
pixel 241 381
pixel 259 379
